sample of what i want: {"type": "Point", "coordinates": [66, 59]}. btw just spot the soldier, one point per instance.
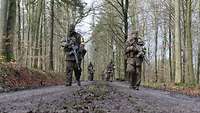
{"type": "Point", "coordinates": [91, 72]}
{"type": "Point", "coordinates": [135, 53]}
{"type": "Point", "coordinates": [74, 52]}
{"type": "Point", "coordinates": [110, 71]}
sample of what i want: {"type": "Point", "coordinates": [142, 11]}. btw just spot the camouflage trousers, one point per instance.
{"type": "Point", "coordinates": [135, 76]}
{"type": "Point", "coordinates": [91, 76]}
{"type": "Point", "coordinates": [71, 67]}
{"type": "Point", "coordinates": [109, 76]}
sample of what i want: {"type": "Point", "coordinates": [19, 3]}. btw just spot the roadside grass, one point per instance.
{"type": "Point", "coordinates": [191, 89]}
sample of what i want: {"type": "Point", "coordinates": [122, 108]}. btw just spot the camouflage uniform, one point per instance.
{"type": "Point", "coordinates": [73, 40]}
{"type": "Point", "coordinates": [135, 55]}
{"type": "Point", "coordinates": [91, 72]}
{"type": "Point", "coordinates": [110, 71]}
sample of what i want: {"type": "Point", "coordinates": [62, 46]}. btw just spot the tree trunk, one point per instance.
{"type": "Point", "coordinates": [125, 12]}
{"type": "Point", "coordinates": [198, 66]}
{"type": "Point", "coordinates": [19, 32]}
{"type": "Point", "coordinates": [51, 61]}
{"type": "Point", "coordinates": [170, 43]}
{"type": "Point", "coordinates": [177, 43]}
{"type": "Point", "coordinates": [184, 65]}
{"type": "Point", "coordinates": [3, 17]}
{"type": "Point", "coordinates": [37, 35]}
{"type": "Point", "coordinates": [156, 49]}
{"type": "Point", "coordinates": [9, 31]}
{"type": "Point", "coordinates": [189, 41]}
{"type": "Point", "coordinates": [164, 53]}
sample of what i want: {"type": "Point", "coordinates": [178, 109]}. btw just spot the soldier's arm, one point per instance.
{"type": "Point", "coordinates": [78, 38]}
{"type": "Point", "coordinates": [83, 52]}
{"type": "Point", "coordinates": [65, 43]}
{"type": "Point", "coordinates": [131, 48]}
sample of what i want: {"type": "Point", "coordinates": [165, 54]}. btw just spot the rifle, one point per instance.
{"type": "Point", "coordinates": [144, 50]}
{"type": "Point", "coordinates": [74, 48]}
{"type": "Point", "coordinates": [146, 60]}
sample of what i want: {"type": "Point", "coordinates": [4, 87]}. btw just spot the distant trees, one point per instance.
{"type": "Point", "coordinates": [31, 31]}
{"type": "Point", "coordinates": [170, 29]}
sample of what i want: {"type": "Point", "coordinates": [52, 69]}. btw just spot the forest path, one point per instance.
{"type": "Point", "coordinates": [97, 97]}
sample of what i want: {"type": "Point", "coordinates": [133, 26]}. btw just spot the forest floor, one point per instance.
{"type": "Point", "coordinates": [97, 97]}
{"type": "Point", "coordinates": [16, 77]}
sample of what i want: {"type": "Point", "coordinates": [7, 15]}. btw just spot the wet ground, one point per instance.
{"type": "Point", "coordinates": [97, 97]}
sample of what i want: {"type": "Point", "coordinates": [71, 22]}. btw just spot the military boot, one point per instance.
{"type": "Point", "coordinates": [68, 84]}
{"type": "Point", "coordinates": [134, 87]}
{"type": "Point", "coordinates": [78, 82]}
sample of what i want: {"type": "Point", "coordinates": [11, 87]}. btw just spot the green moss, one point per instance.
{"type": "Point", "coordinates": [8, 56]}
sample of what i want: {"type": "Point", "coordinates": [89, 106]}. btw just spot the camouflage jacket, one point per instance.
{"type": "Point", "coordinates": [91, 69]}
{"type": "Point", "coordinates": [134, 53]}
{"type": "Point", "coordinates": [134, 50]}
{"type": "Point", "coordinates": [73, 40]}
{"type": "Point", "coordinates": [110, 68]}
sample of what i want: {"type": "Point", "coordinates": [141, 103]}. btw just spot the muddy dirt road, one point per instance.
{"type": "Point", "coordinates": [97, 97]}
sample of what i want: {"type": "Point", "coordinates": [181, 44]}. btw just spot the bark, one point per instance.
{"type": "Point", "coordinates": [164, 53]}
{"type": "Point", "coordinates": [125, 12]}
{"type": "Point", "coordinates": [198, 66]}
{"type": "Point", "coordinates": [177, 43]}
{"type": "Point", "coordinates": [184, 65]}
{"type": "Point", "coordinates": [9, 31]}
{"type": "Point", "coordinates": [156, 50]}
{"type": "Point", "coordinates": [3, 17]}
{"type": "Point", "coordinates": [189, 41]}
{"type": "Point", "coordinates": [37, 35]}
{"type": "Point", "coordinates": [51, 61]}
{"type": "Point", "coordinates": [19, 31]}
{"type": "Point", "coordinates": [134, 15]}
{"type": "Point", "coordinates": [170, 42]}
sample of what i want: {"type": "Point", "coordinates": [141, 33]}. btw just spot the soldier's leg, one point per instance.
{"type": "Point", "coordinates": [133, 77]}
{"type": "Point", "coordinates": [89, 76]}
{"type": "Point", "coordinates": [110, 78]}
{"type": "Point", "coordinates": [107, 76]}
{"type": "Point", "coordinates": [92, 76]}
{"type": "Point", "coordinates": [69, 73]}
{"type": "Point", "coordinates": [138, 71]}
{"type": "Point", "coordinates": [78, 73]}
{"type": "Point", "coordinates": [130, 71]}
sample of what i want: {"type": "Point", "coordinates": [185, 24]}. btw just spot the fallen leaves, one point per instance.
{"type": "Point", "coordinates": [14, 77]}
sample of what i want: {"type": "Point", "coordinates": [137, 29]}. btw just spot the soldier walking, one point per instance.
{"type": "Point", "coordinates": [135, 53]}
{"type": "Point", "coordinates": [110, 71]}
{"type": "Point", "coordinates": [74, 53]}
{"type": "Point", "coordinates": [91, 72]}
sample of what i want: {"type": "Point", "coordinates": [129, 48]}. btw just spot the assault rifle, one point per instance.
{"type": "Point", "coordinates": [74, 52]}
{"type": "Point", "coordinates": [146, 60]}
{"type": "Point", "coordinates": [144, 51]}
{"type": "Point", "coordinates": [71, 44]}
